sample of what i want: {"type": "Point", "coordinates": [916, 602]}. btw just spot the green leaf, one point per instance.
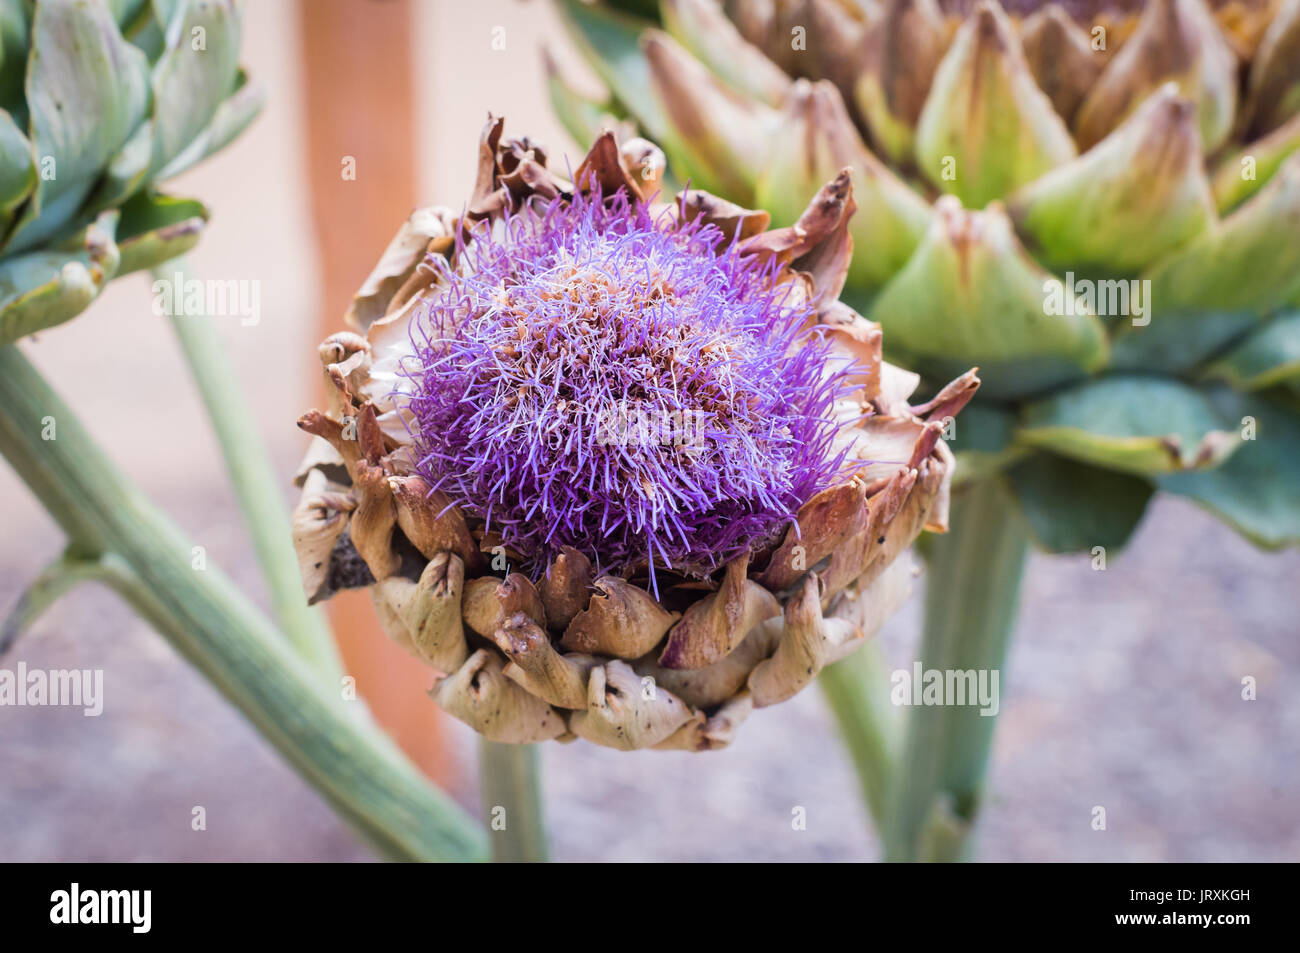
{"type": "Point", "coordinates": [1269, 356]}
{"type": "Point", "coordinates": [1177, 342]}
{"type": "Point", "coordinates": [1071, 507]}
{"type": "Point", "coordinates": [88, 90]}
{"type": "Point", "coordinates": [156, 228]}
{"type": "Point", "coordinates": [971, 295]}
{"type": "Point", "coordinates": [1142, 425]}
{"type": "Point", "coordinates": [17, 169]}
{"type": "Point", "coordinates": [1255, 491]}
{"type": "Point", "coordinates": [194, 77]}
{"type": "Point", "coordinates": [43, 288]}
{"type": "Point", "coordinates": [231, 118]}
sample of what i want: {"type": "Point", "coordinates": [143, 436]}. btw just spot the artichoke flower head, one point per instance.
{"type": "Point", "coordinates": [617, 467]}
{"type": "Point", "coordinates": [1095, 201]}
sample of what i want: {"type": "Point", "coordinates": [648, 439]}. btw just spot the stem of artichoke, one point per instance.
{"type": "Point", "coordinates": [256, 484]}
{"type": "Point", "coordinates": [857, 689]}
{"type": "Point", "coordinates": [510, 782]}
{"type": "Point", "coordinates": [333, 745]}
{"type": "Point", "coordinates": [971, 600]}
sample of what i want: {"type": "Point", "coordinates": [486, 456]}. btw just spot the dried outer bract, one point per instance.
{"type": "Point", "coordinates": [566, 587]}
{"type": "Point", "coordinates": [488, 602]}
{"type": "Point", "coordinates": [716, 624]}
{"type": "Point", "coordinates": [625, 712]}
{"type": "Point", "coordinates": [539, 667]}
{"type": "Point", "coordinates": [427, 613]}
{"type": "Point", "coordinates": [480, 694]}
{"type": "Point", "coordinates": [319, 520]}
{"type": "Point", "coordinates": [621, 620]}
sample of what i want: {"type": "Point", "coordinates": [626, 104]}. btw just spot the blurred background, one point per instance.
{"type": "Point", "coordinates": [1123, 689]}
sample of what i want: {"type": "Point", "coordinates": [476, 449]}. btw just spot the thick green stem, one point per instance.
{"type": "Point", "coordinates": [858, 691]}
{"type": "Point", "coordinates": [512, 802]}
{"type": "Point", "coordinates": [257, 486]}
{"type": "Point", "coordinates": [971, 600]}
{"type": "Point", "coordinates": [330, 742]}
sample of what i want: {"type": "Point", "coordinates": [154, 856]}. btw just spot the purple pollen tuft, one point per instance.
{"type": "Point", "coordinates": [591, 376]}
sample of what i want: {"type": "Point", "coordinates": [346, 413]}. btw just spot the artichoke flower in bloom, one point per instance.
{"type": "Point", "coordinates": [617, 468]}
{"type": "Point", "coordinates": [99, 101]}
{"type": "Point", "coordinates": [1097, 202]}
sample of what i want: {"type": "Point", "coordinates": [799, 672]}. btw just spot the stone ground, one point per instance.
{"type": "Point", "coordinates": [1123, 690]}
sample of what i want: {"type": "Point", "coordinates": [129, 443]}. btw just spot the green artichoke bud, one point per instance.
{"type": "Point", "coordinates": [100, 102]}
{"type": "Point", "coordinates": [1146, 156]}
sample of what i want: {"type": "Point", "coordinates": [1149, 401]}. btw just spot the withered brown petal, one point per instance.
{"type": "Point", "coordinates": [566, 587]}
{"type": "Point", "coordinates": [715, 625]}
{"type": "Point", "coordinates": [559, 679]}
{"type": "Point", "coordinates": [480, 695]}
{"type": "Point", "coordinates": [621, 620]}
{"type": "Point", "coordinates": [488, 602]}
{"type": "Point", "coordinates": [621, 713]}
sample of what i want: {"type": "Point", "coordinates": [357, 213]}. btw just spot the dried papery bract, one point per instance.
{"type": "Point", "coordinates": [567, 580]}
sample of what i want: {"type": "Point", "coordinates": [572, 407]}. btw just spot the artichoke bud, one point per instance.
{"type": "Point", "coordinates": [1175, 40]}
{"type": "Point", "coordinates": [703, 28]}
{"type": "Point", "coordinates": [717, 138]}
{"type": "Point", "coordinates": [1273, 91]}
{"type": "Point", "coordinates": [818, 141]}
{"type": "Point", "coordinates": [1061, 57]}
{"type": "Point", "coordinates": [1138, 194]}
{"type": "Point", "coordinates": [902, 53]}
{"type": "Point", "coordinates": [1249, 263]}
{"type": "Point", "coordinates": [986, 127]}
{"type": "Point", "coordinates": [972, 294]}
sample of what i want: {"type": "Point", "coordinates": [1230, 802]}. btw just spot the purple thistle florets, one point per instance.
{"type": "Point", "coordinates": [588, 375]}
